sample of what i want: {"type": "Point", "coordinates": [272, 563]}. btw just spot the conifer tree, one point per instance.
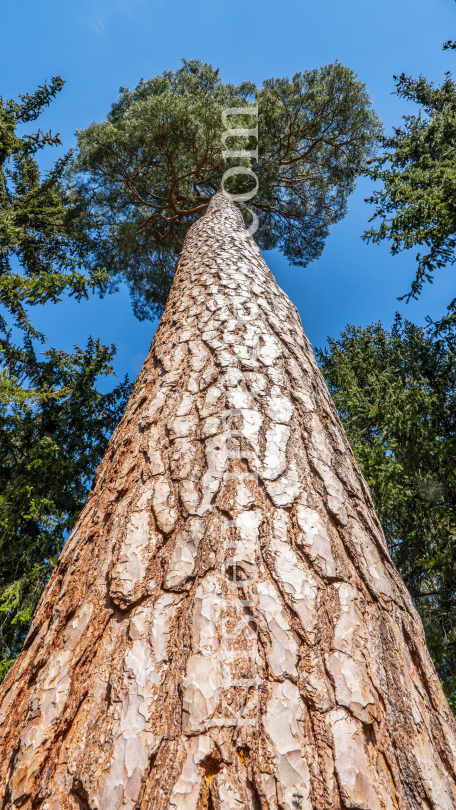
{"type": "Point", "coordinates": [54, 422]}
{"type": "Point", "coordinates": [225, 627]}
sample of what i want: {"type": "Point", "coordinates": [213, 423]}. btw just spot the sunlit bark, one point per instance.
{"type": "Point", "coordinates": [225, 627]}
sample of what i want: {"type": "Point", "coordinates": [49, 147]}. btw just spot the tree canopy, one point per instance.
{"type": "Point", "coordinates": [54, 422]}
{"type": "Point", "coordinates": [396, 394]}
{"type": "Point", "coordinates": [417, 203]}
{"type": "Point", "coordinates": [54, 428]}
{"type": "Point", "coordinates": [149, 170]}
{"type": "Point", "coordinates": [40, 218]}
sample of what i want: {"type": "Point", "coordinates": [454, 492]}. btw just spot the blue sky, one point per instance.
{"type": "Point", "coordinates": [97, 46]}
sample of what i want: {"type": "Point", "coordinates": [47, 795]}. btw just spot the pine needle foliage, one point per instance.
{"type": "Point", "coordinates": [149, 170]}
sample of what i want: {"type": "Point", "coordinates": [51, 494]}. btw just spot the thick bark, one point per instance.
{"type": "Point", "coordinates": [225, 628]}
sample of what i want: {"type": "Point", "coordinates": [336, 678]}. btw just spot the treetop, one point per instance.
{"type": "Point", "coordinates": [148, 170]}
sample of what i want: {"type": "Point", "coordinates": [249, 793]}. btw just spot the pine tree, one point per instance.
{"type": "Point", "coordinates": [225, 628]}
{"type": "Point", "coordinates": [289, 151]}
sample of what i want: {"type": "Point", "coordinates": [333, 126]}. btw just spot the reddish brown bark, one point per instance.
{"type": "Point", "coordinates": [225, 627]}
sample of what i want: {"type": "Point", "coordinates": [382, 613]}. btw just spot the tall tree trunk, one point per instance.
{"type": "Point", "coordinates": [225, 628]}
